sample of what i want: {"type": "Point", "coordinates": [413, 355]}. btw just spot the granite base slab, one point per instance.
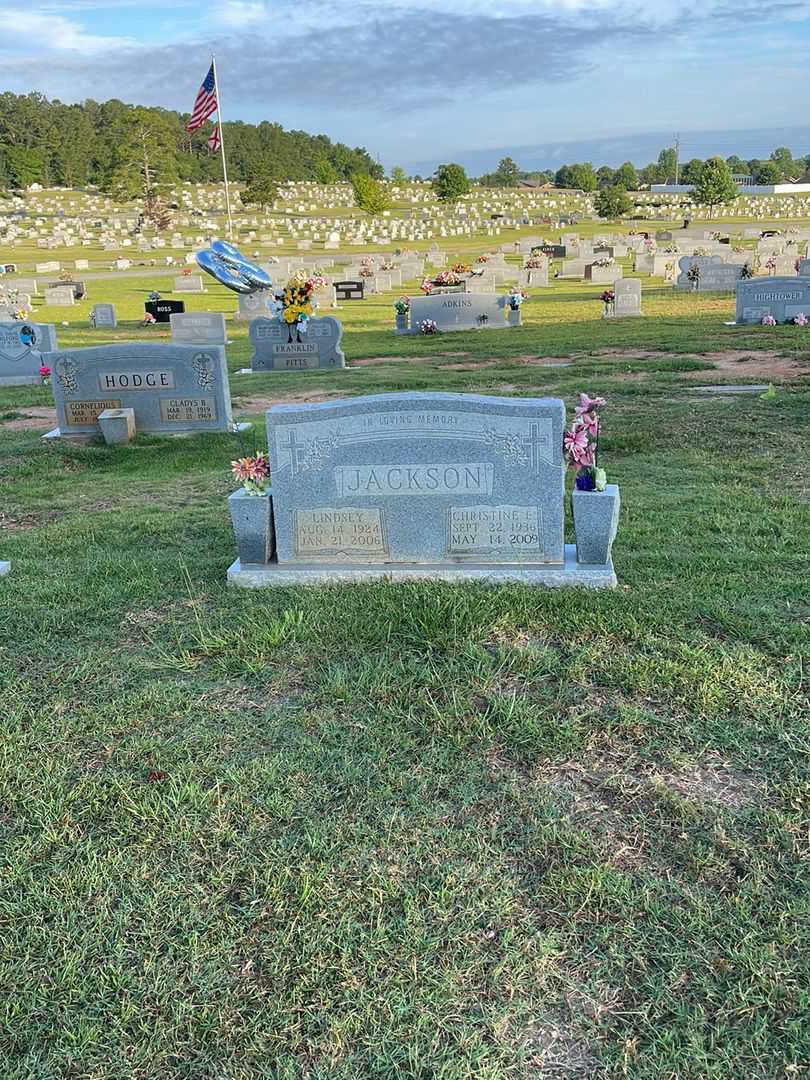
{"type": "Point", "coordinates": [571, 573]}
{"type": "Point", "coordinates": [20, 380]}
{"type": "Point", "coordinates": [55, 433]}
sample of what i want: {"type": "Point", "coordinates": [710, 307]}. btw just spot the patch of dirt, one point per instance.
{"type": "Point", "coordinates": [370, 361]}
{"type": "Point", "coordinates": [713, 781]}
{"type": "Point", "coordinates": [18, 524]}
{"type": "Point", "coordinates": [470, 365]}
{"type": "Point", "coordinates": [260, 404]}
{"type": "Point", "coordinates": [761, 363]}
{"type": "Point", "coordinates": [556, 1049]}
{"type": "Point", "coordinates": [766, 364]}
{"type": "Point", "coordinates": [546, 361]}
{"type": "Point", "coordinates": [31, 418]}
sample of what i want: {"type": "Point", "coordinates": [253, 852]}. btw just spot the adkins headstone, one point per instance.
{"type": "Point", "coordinates": [782, 297]}
{"type": "Point", "coordinates": [419, 478]}
{"type": "Point", "coordinates": [172, 388]}
{"type": "Point", "coordinates": [463, 311]}
{"type": "Point", "coordinates": [279, 347]}
{"type": "Point", "coordinates": [22, 346]}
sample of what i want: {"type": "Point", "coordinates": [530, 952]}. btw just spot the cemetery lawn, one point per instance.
{"type": "Point", "coordinates": [416, 831]}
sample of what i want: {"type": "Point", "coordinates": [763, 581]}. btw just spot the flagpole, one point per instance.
{"type": "Point", "coordinates": [222, 149]}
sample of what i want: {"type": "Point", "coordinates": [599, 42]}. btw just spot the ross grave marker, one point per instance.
{"type": "Point", "coordinates": [164, 309]}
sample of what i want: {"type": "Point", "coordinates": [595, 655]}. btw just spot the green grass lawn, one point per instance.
{"type": "Point", "coordinates": [424, 831]}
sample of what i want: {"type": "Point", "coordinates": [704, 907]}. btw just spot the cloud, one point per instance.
{"type": "Point", "coordinates": [54, 32]}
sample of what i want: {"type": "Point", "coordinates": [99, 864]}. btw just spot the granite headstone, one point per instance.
{"type": "Point", "coordinates": [172, 388]}
{"type": "Point", "coordinates": [22, 345]}
{"type": "Point", "coordinates": [279, 347]}
{"type": "Point", "coordinates": [782, 297]}
{"type": "Point", "coordinates": [419, 478]}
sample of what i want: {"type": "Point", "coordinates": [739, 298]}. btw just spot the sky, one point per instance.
{"type": "Point", "coordinates": [419, 82]}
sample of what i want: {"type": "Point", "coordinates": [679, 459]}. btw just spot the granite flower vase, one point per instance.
{"type": "Point", "coordinates": [252, 518]}
{"type": "Point", "coordinates": [401, 323]}
{"type": "Point", "coordinates": [596, 521]}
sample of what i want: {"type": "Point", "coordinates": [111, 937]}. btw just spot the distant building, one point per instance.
{"type": "Point", "coordinates": [746, 188]}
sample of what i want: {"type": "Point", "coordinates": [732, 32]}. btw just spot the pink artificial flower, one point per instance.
{"type": "Point", "coordinates": [44, 372]}
{"type": "Point", "coordinates": [576, 444]}
{"type": "Point", "coordinates": [586, 404]}
{"type": "Point", "coordinates": [589, 421]}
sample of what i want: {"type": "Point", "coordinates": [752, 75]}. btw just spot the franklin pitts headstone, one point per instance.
{"type": "Point", "coordinates": [279, 347]}
{"type": "Point", "coordinates": [171, 388]}
{"type": "Point", "coordinates": [22, 345]}
{"type": "Point", "coordinates": [419, 478]}
{"type": "Point", "coordinates": [782, 297]}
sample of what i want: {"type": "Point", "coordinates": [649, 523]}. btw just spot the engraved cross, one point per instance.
{"type": "Point", "coordinates": [296, 449]}
{"type": "Point", "coordinates": [534, 442]}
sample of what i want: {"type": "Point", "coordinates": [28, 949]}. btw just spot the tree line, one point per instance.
{"type": "Point", "coordinates": [103, 144]}
{"type": "Point", "coordinates": [779, 167]}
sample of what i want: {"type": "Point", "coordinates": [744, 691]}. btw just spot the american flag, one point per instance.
{"type": "Point", "coordinates": [215, 140]}
{"type": "Point", "coordinates": [206, 104]}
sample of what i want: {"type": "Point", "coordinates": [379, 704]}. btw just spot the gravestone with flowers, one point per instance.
{"type": "Point", "coordinates": [441, 486]}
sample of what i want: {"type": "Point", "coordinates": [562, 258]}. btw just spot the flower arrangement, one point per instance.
{"type": "Point", "coordinates": [746, 272]}
{"type": "Point", "coordinates": [798, 265]}
{"type": "Point", "coordinates": [608, 298]}
{"type": "Point", "coordinates": [253, 473]}
{"type": "Point", "coordinates": [21, 314]}
{"type": "Point", "coordinates": [693, 274]}
{"type": "Point", "coordinates": [428, 326]}
{"type": "Point", "coordinates": [801, 319]}
{"type": "Point", "coordinates": [534, 263]}
{"type": "Point", "coordinates": [402, 306]}
{"type": "Point", "coordinates": [426, 286]}
{"type": "Point", "coordinates": [460, 269]}
{"type": "Point", "coordinates": [186, 271]}
{"type": "Point", "coordinates": [448, 277]}
{"type": "Point", "coordinates": [516, 298]}
{"type": "Point", "coordinates": [604, 261]}
{"type": "Point", "coordinates": [770, 264]}
{"type": "Point", "coordinates": [45, 375]}
{"type": "Point", "coordinates": [149, 319]}
{"type": "Point", "coordinates": [366, 272]}
{"type": "Point", "coordinates": [581, 444]}
{"type": "Point", "coordinates": [483, 258]}
{"type": "Point", "coordinates": [297, 308]}
{"type": "Point", "coordinates": [154, 296]}
{"type": "Point", "coordinates": [768, 320]}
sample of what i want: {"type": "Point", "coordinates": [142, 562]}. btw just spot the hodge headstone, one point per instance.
{"type": "Point", "coordinates": [279, 347]}
{"type": "Point", "coordinates": [172, 388]}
